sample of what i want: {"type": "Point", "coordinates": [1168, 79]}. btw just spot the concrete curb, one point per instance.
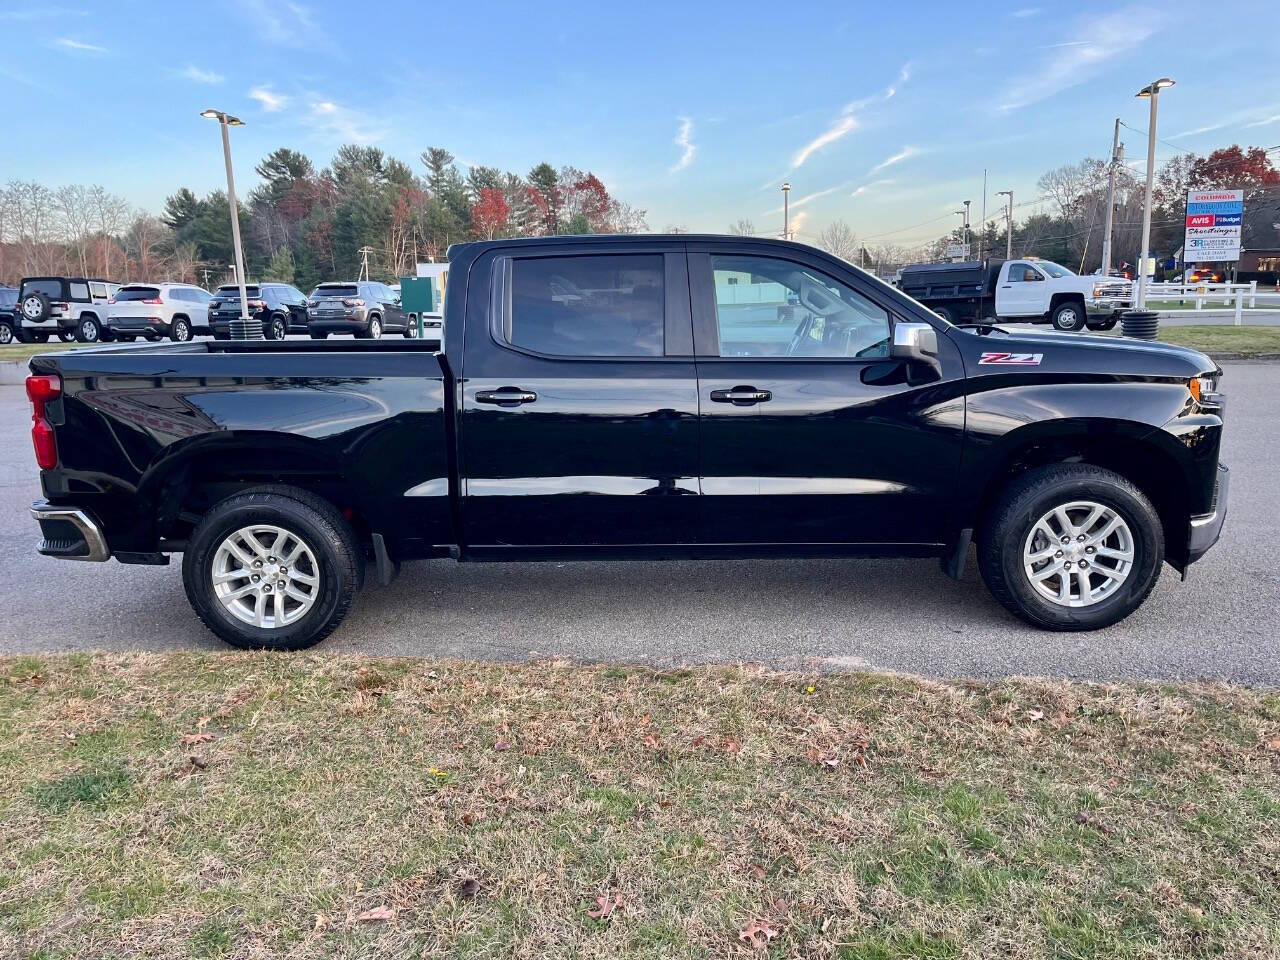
{"type": "Point", "coordinates": [13, 372]}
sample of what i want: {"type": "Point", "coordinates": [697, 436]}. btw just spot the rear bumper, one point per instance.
{"type": "Point", "coordinates": [1205, 530]}
{"type": "Point", "coordinates": [69, 534]}
{"type": "Point", "coordinates": [136, 324]}
{"type": "Point", "coordinates": [338, 325]}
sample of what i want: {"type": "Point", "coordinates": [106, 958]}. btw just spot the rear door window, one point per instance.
{"type": "Point", "coordinates": [78, 291]}
{"type": "Point", "coordinates": [587, 306]}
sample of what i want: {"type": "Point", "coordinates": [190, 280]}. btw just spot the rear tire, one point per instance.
{"type": "Point", "coordinates": [277, 328]}
{"type": "Point", "coordinates": [6, 333]}
{"type": "Point", "coordinates": [88, 330]}
{"type": "Point", "coordinates": [333, 568]}
{"type": "Point", "coordinates": [373, 331]}
{"type": "Point", "coordinates": [67, 336]}
{"type": "Point", "coordinates": [945, 313]}
{"type": "Point", "coordinates": [1009, 538]}
{"type": "Point", "coordinates": [1069, 317]}
{"type": "Point", "coordinates": [180, 330]}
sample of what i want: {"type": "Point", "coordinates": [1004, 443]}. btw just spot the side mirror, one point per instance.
{"type": "Point", "coordinates": [916, 342]}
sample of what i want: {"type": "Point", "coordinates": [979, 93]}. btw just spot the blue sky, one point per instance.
{"type": "Point", "coordinates": [884, 115]}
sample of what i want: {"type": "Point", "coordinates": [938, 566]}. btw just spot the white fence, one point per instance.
{"type": "Point", "coordinates": [1237, 295]}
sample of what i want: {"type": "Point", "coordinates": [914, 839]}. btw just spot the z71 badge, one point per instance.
{"type": "Point", "coordinates": [1013, 359]}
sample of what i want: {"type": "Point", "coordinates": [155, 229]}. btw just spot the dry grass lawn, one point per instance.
{"type": "Point", "coordinates": [223, 805]}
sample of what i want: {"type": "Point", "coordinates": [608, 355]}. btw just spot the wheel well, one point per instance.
{"type": "Point", "coordinates": [1143, 464]}
{"type": "Point", "coordinates": [1058, 299]}
{"type": "Point", "coordinates": [181, 316]}
{"type": "Point", "coordinates": [186, 493]}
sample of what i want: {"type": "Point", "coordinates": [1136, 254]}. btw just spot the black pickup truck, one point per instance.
{"type": "Point", "coordinates": [635, 397]}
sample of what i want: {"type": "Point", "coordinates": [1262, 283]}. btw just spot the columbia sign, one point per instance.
{"type": "Point", "coordinates": [1214, 218]}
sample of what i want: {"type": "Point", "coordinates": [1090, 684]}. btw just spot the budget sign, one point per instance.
{"type": "Point", "coordinates": [1213, 225]}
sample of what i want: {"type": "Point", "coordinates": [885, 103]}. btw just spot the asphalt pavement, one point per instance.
{"type": "Point", "coordinates": [902, 615]}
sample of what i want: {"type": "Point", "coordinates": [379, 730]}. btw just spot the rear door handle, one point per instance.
{"type": "Point", "coordinates": [506, 396]}
{"type": "Point", "coordinates": [741, 396]}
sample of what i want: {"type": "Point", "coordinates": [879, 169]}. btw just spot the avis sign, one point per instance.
{"type": "Point", "coordinates": [1214, 218]}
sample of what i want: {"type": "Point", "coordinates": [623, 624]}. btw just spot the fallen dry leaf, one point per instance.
{"type": "Point", "coordinates": [502, 745]}
{"type": "Point", "coordinates": [732, 747]}
{"type": "Point", "coordinates": [758, 933]}
{"type": "Point", "coordinates": [605, 906]}
{"type": "Point", "coordinates": [376, 915]}
{"type": "Point", "coordinates": [322, 922]}
{"type": "Point", "coordinates": [1089, 820]}
{"type": "Point", "coordinates": [1035, 715]}
{"type": "Point", "coordinates": [756, 871]}
{"type": "Point", "coordinates": [651, 740]}
{"type": "Point", "coordinates": [828, 760]}
{"type": "Point", "coordinates": [190, 739]}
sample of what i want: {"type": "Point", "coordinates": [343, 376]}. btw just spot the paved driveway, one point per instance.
{"type": "Point", "coordinates": [889, 614]}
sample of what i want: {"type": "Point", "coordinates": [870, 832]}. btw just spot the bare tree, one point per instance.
{"type": "Point", "coordinates": [185, 261]}
{"type": "Point", "coordinates": [838, 239]}
{"type": "Point", "coordinates": [35, 226]}
{"type": "Point", "coordinates": [110, 216]}
{"type": "Point", "coordinates": [77, 222]}
{"type": "Point", "coordinates": [743, 228]}
{"type": "Point", "coordinates": [147, 236]}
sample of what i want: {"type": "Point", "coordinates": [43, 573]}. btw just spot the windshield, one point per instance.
{"type": "Point", "coordinates": [334, 290]}
{"type": "Point", "coordinates": [1053, 270]}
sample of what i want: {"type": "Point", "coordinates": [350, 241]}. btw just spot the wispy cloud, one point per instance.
{"type": "Point", "coordinates": [192, 72]}
{"type": "Point", "coordinates": [847, 121]}
{"type": "Point", "coordinates": [684, 140]}
{"type": "Point", "coordinates": [39, 13]}
{"type": "Point", "coordinates": [1023, 12]}
{"type": "Point", "coordinates": [869, 187]}
{"type": "Point", "coordinates": [1101, 41]}
{"type": "Point", "coordinates": [271, 101]}
{"type": "Point", "coordinates": [1264, 122]}
{"type": "Point", "coordinates": [906, 153]}
{"type": "Point", "coordinates": [67, 43]}
{"type": "Point", "coordinates": [810, 197]}
{"type": "Point", "coordinates": [285, 22]}
{"type": "Point", "coordinates": [345, 123]}
{"type": "Point", "coordinates": [1198, 130]}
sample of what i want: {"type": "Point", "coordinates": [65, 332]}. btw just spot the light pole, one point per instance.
{"type": "Point", "coordinates": [1008, 224]}
{"type": "Point", "coordinates": [1151, 92]}
{"type": "Point", "coordinates": [226, 121]}
{"type": "Point", "coordinates": [966, 222]}
{"type": "Point", "coordinates": [786, 211]}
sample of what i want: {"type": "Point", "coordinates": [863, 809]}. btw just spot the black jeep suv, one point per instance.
{"type": "Point", "coordinates": [73, 308]}
{"type": "Point", "coordinates": [281, 308]}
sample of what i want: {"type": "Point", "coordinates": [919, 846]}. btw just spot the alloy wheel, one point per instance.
{"type": "Point", "coordinates": [265, 576]}
{"type": "Point", "coordinates": [1078, 554]}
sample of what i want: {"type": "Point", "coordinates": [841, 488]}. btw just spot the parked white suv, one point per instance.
{"type": "Point", "coordinates": [153, 310]}
{"type": "Point", "coordinates": [71, 308]}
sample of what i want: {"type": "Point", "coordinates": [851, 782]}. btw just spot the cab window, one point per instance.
{"type": "Point", "coordinates": [588, 306]}
{"type": "Point", "coordinates": [769, 307]}
{"type": "Point", "coordinates": [1021, 272]}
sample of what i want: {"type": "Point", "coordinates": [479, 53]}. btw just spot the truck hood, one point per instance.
{"type": "Point", "coordinates": [1120, 355]}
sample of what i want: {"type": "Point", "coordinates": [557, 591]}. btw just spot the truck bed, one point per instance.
{"type": "Point", "coordinates": [138, 426]}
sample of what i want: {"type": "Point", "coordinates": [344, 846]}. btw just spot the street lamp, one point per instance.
{"type": "Point", "coordinates": [1008, 224]}
{"type": "Point", "coordinates": [245, 331]}
{"type": "Point", "coordinates": [1151, 92]}
{"type": "Point", "coordinates": [786, 211]}
{"type": "Point", "coordinates": [966, 222]}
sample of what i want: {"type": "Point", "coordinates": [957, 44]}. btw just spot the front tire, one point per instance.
{"type": "Point", "coordinates": [273, 568]}
{"type": "Point", "coordinates": [277, 328]}
{"type": "Point", "coordinates": [1069, 317]}
{"type": "Point", "coordinates": [1071, 547]}
{"type": "Point", "coordinates": [6, 333]}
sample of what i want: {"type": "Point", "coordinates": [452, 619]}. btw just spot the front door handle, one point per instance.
{"type": "Point", "coordinates": [741, 396]}
{"type": "Point", "coordinates": [506, 396]}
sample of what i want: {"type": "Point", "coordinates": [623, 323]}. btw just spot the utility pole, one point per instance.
{"type": "Point", "coordinates": [966, 223]}
{"type": "Point", "coordinates": [206, 278]}
{"type": "Point", "coordinates": [1117, 155]}
{"type": "Point", "coordinates": [364, 262]}
{"type": "Point", "coordinates": [786, 211]}
{"type": "Point", "coordinates": [1008, 223]}
{"type": "Point", "coordinates": [982, 224]}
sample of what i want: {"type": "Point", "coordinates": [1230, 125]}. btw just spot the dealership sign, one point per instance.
{"type": "Point", "coordinates": [1213, 225]}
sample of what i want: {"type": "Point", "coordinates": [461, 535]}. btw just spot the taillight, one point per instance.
{"type": "Point", "coordinates": [313, 303]}
{"type": "Point", "coordinates": [214, 304]}
{"type": "Point", "coordinates": [353, 302]}
{"type": "Point", "coordinates": [156, 300]}
{"type": "Point", "coordinates": [60, 306]}
{"type": "Point", "coordinates": [111, 300]}
{"type": "Point", "coordinates": [40, 390]}
{"type": "Point", "coordinates": [257, 304]}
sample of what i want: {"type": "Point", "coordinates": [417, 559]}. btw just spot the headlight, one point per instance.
{"type": "Point", "coordinates": [1098, 290]}
{"type": "Point", "coordinates": [1203, 386]}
